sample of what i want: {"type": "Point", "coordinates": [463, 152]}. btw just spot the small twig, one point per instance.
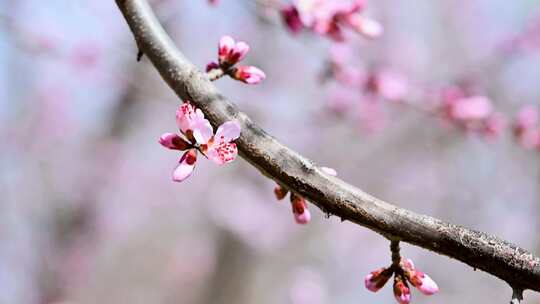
{"type": "Point", "coordinates": [140, 54]}
{"type": "Point", "coordinates": [215, 74]}
{"type": "Point", "coordinates": [517, 295]}
{"type": "Point", "coordinates": [396, 257]}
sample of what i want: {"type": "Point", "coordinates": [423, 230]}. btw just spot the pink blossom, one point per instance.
{"type": "Point", "coordinates": [220, 148]}
{"type": "Point", "coordinates": [187, 117]}
{"type": "Point", "coordinates": [402, 293]}
{"type": "Point", "coordinates": [377, 279]}
{"type": "Point", "coordinates": [527, 128]}
{"type": "Point", "coordinates": [328, 17]}
{"type": "Point", "coordinates": [197, 135]}
{"type": "Point", "coordinates": [248, 74]}
{"type": "Point", "coordinates": [230, 52]}
{"type": "Point", "coordinates": [213, 2]}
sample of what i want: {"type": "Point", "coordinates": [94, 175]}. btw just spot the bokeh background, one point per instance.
{"type": "Point", "coordinates": [88, 211]}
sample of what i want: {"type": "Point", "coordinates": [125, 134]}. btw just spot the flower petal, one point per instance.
{"type": "Point", "coordinates": [202, 131]}
{"type": "Point", "coordinates": [185, 166]}
{"type": "Point", "coordinates": [227, 132]}
{"type": "Point", "coordinates": [173, 141]}
{"type": "Point", "coordinates": [222, 153]}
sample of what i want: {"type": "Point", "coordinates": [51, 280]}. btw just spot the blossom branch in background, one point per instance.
{"type": "Point", "coordinates": [510, 263]}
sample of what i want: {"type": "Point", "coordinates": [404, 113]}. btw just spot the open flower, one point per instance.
{"type": "Point", "coordinates": [196, 134]}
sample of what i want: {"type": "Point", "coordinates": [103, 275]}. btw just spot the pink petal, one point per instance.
{"type": "Point", "coordinates": [225, 46]}
{"type": "Point", "coordinates": [227, 132]}
{"type": "Point", "coordinates": [185, 166]}
{"type": "Point", "coordinates": [173, 141]}
{"type": "Point", "coordinates": [240, 51]}
{"type": "Point", "coordinates": [222, 153]}
{"type": "Point", "coordinates": [365, 26]}
{"type": "Point", "coordinates": [202, 131]}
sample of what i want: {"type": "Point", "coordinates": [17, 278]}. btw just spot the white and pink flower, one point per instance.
{"type": "Point", "coordinates": [196, 134]}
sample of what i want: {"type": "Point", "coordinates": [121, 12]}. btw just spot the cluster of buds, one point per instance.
{"type": "Point", "coordinates": [299, 206]}
{"type": "Point", "coordinates": [328, 18]}
{"type": "Point", "coordinates": [527, 128]}
{"type": "Point", "coordinates": [230, 52]}
{"type": "Point", "coordinates": [472, 113]}
{"type": "Point", "coordinates": [197, 135]}
{"type": "Point", "coordinates": [404, 273]}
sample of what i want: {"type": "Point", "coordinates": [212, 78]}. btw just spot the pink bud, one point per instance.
{"type": "Point", "coordinates": [402, 293]}
{"type": "Point", "coordinates": [173, 141]}
{"type": "Point", "coordinates": [301, 213]}
{"type": "Point", "coordinates": [377, 279]}
{"type": "Point", "coordinates": [231, 52]}
{"type": "Point", "coordinates": [280, 192]}
{"type": "Point", "coordinates": [225, 46]}
{"type": "Point", "coordinates": [291, 17]}
{"type": "Point", "coordinates": [427, 286]}
{"type": "Point", "coordinates": [329, 171]}
{"type": "Point", "coordinates": [212, 66]}
{"type": "Point", "coordinates": [248, 74]}
{"type": "Point", "coordinates": [417, 278]}
{"type": "Point", "coordinates": [303, 218]}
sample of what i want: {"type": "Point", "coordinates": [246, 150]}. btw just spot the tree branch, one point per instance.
{"type": "Point", "coordinates": [332, 195]}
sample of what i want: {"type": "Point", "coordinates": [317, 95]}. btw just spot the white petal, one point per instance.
{"type": "Point", "coordinates": [227, 132]}
{"type": "Point", "coordinates": [202, 131]}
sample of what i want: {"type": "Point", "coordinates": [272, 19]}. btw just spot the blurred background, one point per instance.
{"type": "Point", "coordinates": [88, 211]}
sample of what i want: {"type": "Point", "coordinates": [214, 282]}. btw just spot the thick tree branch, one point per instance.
{"type": "Point", "coordinates": [477, 249]}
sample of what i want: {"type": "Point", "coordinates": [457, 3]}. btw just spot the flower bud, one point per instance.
{"type": "Point", "coordinates": [248, 74]}
{"type": "Point", "coordinates": [377, 279]}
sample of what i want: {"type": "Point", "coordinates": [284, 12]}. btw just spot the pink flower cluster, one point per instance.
{"type": "Point", "coordinates": [527, 127]}
{"type": "Point", "coordinates": [328, 18]}
{"type": "Point", "coordinates": [472, 113]}
{"type": "Point", "coordinates": [300, 211]}
{"type": "Point", "coordinates": [197, 134]}
{"type": "Point", "coordinates": [230, 52]}
{"type": "Point", "coordinates": [403, 273]}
